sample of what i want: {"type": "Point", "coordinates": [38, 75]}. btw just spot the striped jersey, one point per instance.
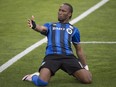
{"type": "Point", "coordinates": [60, 36]}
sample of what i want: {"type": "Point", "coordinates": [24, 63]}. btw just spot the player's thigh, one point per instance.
{"type": "Point", "coordinates": [83, 75]}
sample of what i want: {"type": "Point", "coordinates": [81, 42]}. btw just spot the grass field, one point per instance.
{"type": "Point", "coordinates": [15, 36]}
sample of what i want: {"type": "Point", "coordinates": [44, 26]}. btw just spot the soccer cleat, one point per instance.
{"type": "Point", "coordinates": [29, 77]}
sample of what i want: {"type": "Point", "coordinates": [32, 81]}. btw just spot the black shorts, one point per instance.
{"type": "Point", "coordinates": [54, 62]}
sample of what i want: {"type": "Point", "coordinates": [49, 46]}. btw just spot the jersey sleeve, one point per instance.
{"type": "Point", "coordinates": [47, 25]}
{"type": "Point", "coordinates": [76, 36]}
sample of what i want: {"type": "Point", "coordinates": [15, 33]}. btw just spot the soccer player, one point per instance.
{"type": "Point", "coordinates": [59, 54]}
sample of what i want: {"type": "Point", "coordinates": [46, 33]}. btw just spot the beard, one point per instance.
{"type": "Point", "coordinates": [61, 19]}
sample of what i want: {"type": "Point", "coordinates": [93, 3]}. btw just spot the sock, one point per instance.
{"type": "Point", "coordinates": [38, 82]}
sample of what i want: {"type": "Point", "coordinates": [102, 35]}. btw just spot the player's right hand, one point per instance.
{"type": "Point", "coordinates": [30, 21]}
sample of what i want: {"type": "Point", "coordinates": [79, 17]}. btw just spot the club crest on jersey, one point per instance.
{"type": "Point", "coordinates": [69, 30]}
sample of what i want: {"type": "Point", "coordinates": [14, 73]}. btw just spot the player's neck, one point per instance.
{"type": "Point", "coordinates": [64, 21]}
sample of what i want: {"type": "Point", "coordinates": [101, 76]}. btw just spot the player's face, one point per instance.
{"type": "Point", "coordinates": [64, 13]}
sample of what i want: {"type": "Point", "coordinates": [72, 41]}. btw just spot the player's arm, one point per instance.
{"type": "Point", "coordinates": [36, 27]}
{"type": "Point", "coordinates": [80, 54]}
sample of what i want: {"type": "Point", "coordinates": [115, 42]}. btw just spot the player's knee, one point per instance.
{"type": "Point", "coordinates": [87, 78]}
{"type": "Point", "coordinates": [38, 82]}
{"type": "Point", "coordinates": [87, 81]}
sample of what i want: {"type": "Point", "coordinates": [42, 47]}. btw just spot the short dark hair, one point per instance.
{"type": "Point", "coordinates": [71, 8]}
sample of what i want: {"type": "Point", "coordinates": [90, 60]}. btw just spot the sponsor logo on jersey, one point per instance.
{"type": "Point", "coordinates": [57, 28]}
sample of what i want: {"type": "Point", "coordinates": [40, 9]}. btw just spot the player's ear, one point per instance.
{"type": "Point", "coordinates": [69, 14]}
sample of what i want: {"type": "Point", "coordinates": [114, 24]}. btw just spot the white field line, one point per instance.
{"type": "Point", "coordinates": [29, 49]}
{"type": "Point", "coordinates": [20, 55]}
{"type": "Point", "coordinates": [98, 42]}
{"type": "Point", "coordinates": [89, 11]}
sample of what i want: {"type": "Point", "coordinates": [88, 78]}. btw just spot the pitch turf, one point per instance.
{"type": "Point", "coordinates": [15, 37]}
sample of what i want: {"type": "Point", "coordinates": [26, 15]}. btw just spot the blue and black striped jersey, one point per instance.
{"type": "Point", "coordinates": [60, 36]}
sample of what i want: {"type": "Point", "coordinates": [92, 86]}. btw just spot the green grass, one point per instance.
{"type": "Point", "coordinates": [15, 37]}
{"type": "Point", "coordinates": [100, 25]}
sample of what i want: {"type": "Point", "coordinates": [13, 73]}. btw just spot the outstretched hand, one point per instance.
{"type": "Point", "coordinates": [30, 24]}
